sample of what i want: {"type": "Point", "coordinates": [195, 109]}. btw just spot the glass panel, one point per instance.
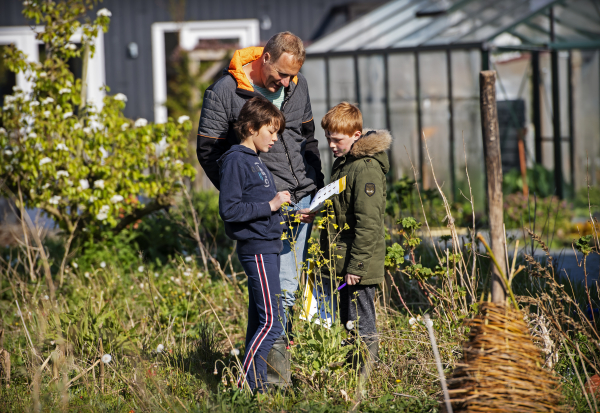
{"type": "Point", "coordinates": [341, 75]}
{"type": "Point", "coordinates": [314, 71]}
{"type": "Point", "coordinates": [435, 119]}
{"type": "Point", "coordinates": [586, 100]}
{"type": "Point", "coordinates": [468, 142]}
{"type": "Point", "coordinates": [403, 114]}
{"type": "Point", "coordinates": [372, 91]}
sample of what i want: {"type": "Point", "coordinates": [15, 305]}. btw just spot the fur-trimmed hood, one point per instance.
{"type": "Point", "coordinates": [371, 142]}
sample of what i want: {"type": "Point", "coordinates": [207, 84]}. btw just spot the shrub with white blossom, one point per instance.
{"type": "Point", "coordinates": [83, 166]}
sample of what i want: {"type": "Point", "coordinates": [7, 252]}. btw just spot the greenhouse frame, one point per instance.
{"type": "Point", "coordinates": [413, 67]}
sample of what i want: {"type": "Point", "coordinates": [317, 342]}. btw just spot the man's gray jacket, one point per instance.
{"type": "Point", "coordinates": [294, 159]}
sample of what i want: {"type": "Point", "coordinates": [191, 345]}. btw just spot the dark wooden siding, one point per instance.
{"type": "Point", "coordinates": [132, 19]}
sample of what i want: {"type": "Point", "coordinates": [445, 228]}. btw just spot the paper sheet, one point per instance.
{"type": "Point", "coordinates": [318, 305]}
{"type": "Point", "coordinates": [325, 193]}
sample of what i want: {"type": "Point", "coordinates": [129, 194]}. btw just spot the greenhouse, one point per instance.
{"type": "Point", "coordinates": [413, 67]}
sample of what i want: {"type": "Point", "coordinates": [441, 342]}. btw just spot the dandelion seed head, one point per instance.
{"type": "Point", "coordinates": [188, 259]}
{"type": "Point", "coordinates": [350, 325]}
{"type": "Point", "coordinates": [234, 352]}
{"type": "Point", "coordinates": [160, 348]}
{"type": "Point", "coordinates": [103, 264]}
{"type": "Point", "coordinates": [106, 358]}
{"type": "Point", "coordinates": [141, 268]}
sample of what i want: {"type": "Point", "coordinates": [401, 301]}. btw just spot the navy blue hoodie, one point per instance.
{"type": "Point", "coordinates": [247, 186]}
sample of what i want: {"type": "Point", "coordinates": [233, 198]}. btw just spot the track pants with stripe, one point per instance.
{"type": "Point", "coordinates": [265, 315]}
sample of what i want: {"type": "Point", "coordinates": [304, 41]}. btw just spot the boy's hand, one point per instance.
{"type": "Point", "coordinates": [281, 198]}
{"type": "Point", "coordinates": [305, 216]}
{"type": "Point", "coordinates": [352, 279]}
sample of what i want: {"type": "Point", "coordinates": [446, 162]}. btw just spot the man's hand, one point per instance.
{"type": "Point", "coordinates": [352, 279]}
{"type": "Point", "coordinates": [281, 198]}
{"type": "Point", "coordinates": [305, 216]}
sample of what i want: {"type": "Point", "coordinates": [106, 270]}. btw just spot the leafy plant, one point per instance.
{"type": "Point", "coordinates": [84, 166]}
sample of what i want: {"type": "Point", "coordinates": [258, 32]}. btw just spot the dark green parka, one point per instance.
{"type": "Point", "coordinates": [362, 206]}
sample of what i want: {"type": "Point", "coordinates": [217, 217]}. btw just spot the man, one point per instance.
{"type": "Point", "coordinates": [294, 160]}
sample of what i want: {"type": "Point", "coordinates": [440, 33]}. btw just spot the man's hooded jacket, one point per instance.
{"type": "Point", "coordinates": [358, 242]}
{"type": "Point", "coordinates": [294, 158]}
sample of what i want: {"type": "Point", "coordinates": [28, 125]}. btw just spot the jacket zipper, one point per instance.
{"type": "Point", "coordinates": [287, 154]}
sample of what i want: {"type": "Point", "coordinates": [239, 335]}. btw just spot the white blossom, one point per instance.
{"type": "Point", "coordinates": [160, 147]}
{"type": "Point", "coordinates": [99, 184]}
{"type": "Point", "coordinates": [46, 113]}
{"type": "Point", "coordinates": [32, 135]}
{"type": "Point", "coordinates": [183, 118]}
{"type": "Point", "coordinates": [68, 83]}
{"type": "Point", "coordinates": [141, 268]}
{"type": "Point", "coordinates": [142, 286]}
{"type": "Point", "coordinates": [178, 163]}
{"type": "Point", "coordinates": [140, 123]}
{"type": "Point", "coordinates": [92, 199]}
{"type": "Point", "coordinates": [156, 275]}
{"type": "Point", "coordinates": [39, 147]}
{"type": "Point", "coordinates": [104, 152]}
{"type": "Point", "coordinates": [199, 275]}
{"type": "Point", "coordinates": [121, 97]}
{"type": "Point", "coordinates": [84, 184]}
{"type": "Point", "coordinates": [67, 115]}
{"type": "Point", "coordinates": [47, 100]}
{"type": "Point", "coordinates": [2, 131]}
{"type": "Point", "coordinates": [45, 160]}
{"type": "Point", "coordinates": [54, 200]}
{"type": "Point", "coordinates": [46, 186]}
{"type": "Point", "coordinates": [87, 130]}
{"type": "Point", "coordinates": [106, 358]}
{"type": "Point", "coordinates": [34, 103]}
{"type": "Point", "coordinates": [64, 90]}
{"type": "Point", "coordinates": [43, 74]}
{"type": "Point", "coordinates": [104, 12]}
{"type": "Point", "coordinates": [46, 297]}
{"type": "Point", "coordinates": [61, 173]}
{"type": "Point", "coordinates": [188, 259]}
{"type": "Point", "coordinates": [76, 126]}
{"type": "Point", "coordinates": [8, 152]}
{"type": "Point", "coordinates": [72, 46]}
{"type": "Point", "coordinates": [61, 147]}
{"type": "Point", "coordinates": [160, 348]}
{"type": "Point", "coordinates": [116, 198]}
{"type": "Point", "coordinates": [69, 182]}
{"type": "Point", "coordinates": [103, 214]}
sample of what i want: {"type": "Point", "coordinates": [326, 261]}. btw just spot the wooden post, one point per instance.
{"type": "Point", "coordinates": [493, 170]}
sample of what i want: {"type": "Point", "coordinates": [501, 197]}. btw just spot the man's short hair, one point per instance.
{"type": "Point", "coordinates": [344, 118]}
{"type": "Point", "coordinates": [285, 42]}
{"type": "Point", "coordinates": [256, 113]}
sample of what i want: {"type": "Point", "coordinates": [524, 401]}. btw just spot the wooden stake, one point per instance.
{"type": "Point", "coordinates": [493, 169]}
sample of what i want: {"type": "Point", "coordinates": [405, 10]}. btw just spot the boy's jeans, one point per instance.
{"type": "Point", "coordinates": [291, 264]}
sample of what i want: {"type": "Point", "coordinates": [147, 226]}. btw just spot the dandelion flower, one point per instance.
{"type": "Point", "coordinates": [188, 259]}
{"type": "Point", "coordinates": [141, 268]}
{"type": "Point", "coordinates": [120, 97]}
{"type": "Point", "coordinates": [350, 325]}
{"type": "Point", "coordinates": [160, 348]}
{"type": "Point", "coordinates": [116, 199]}
{"type": "Point", "coordinates": [106, 358]}
{"type": "Point", "coordinates": [54, 200]}
{"type": "Point", "coordinates": [234, 352]}
{"type": "Point", "coordinates": [104, 12]}
{"type": "Point", "coordinates": [103, 264]}
{"type": "Point", "coordinates": [99, 184]}
{"type": "Point", "coordinates": [140, 123]}
{"type": "Point", "coordinates": [84, 184]}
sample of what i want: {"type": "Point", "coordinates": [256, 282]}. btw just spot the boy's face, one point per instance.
{"type": "Point", "coordinates": [264, 139]}
{"type": "Point", "coordinates": [339, 143]}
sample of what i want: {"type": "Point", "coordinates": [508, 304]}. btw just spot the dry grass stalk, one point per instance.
{"type": "Point", "coordinates": [4, 361]}
{"type": "Point", "coordinates": [502, 368]}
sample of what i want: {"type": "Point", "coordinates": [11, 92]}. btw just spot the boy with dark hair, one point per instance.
{"type": "Point", "coordinates": [361, 157]}
{"type": "Point", "coordinates": [249, 204]}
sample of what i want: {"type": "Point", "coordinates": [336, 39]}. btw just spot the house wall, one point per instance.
{"type": "Point", "coordinates": [132, 19]}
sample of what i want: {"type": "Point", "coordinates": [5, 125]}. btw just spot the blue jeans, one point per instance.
{"type": "Point", "coordinates": [292, 261]}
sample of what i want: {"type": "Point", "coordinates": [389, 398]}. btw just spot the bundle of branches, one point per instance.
{"type": "Point", "coordinates": [502, 368]}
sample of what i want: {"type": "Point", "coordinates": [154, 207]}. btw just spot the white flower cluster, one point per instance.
{"type": "Point", "coordinates": [116, 199]}
{"type": "Point", "coordinates": [120, 97]}
{"type": "Point", "coordinates": [103, 214]}
{"type": "Point", "coordinates": [183, 118]}
{"type": "Point", "coordinates": [104, 12]}
{"type": "Point", "coordinates": [140, 123]}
